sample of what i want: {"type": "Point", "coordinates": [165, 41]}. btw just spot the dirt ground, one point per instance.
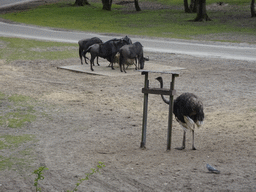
{"type": "Point", "coordinates": [91, 118]}
{"type": "Point", "coordinates": [94, 118]}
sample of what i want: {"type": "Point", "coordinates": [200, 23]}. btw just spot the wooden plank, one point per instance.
{"type": "Point", "coordinates": [158, 91]}
{"type": "Point", "coordinates": [162, 72]}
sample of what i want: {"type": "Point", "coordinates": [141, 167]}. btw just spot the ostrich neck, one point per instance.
{"type": "Point", "coordinates": [165, 100]}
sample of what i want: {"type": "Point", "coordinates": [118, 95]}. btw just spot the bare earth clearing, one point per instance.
{"type": "Point", "coordinates": [98, 118]}
{"type": "Point", "coordinates": [89, 118]}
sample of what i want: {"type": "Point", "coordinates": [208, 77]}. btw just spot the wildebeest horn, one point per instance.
{"type": "Point", "coordinates": [146, 59]}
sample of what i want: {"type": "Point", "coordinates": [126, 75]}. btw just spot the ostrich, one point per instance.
{"type": "Point", "coordinates": [188, 111]}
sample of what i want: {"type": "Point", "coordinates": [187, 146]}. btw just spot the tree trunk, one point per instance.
{"type": "Point", "coordinates": [201, 11]}
{"type": "Point", "coordinates": [253, 14]}
{"type": "Point", "coordinates": [186, 8]}
{"type": "Point", "coordinates": [137, 7]}
{"type": "Point", "coordinates": [81, 2]}
{"type": "Point", "coordinates": [193, 6]}
{"type": "Point", "coordinates": [107, 5]}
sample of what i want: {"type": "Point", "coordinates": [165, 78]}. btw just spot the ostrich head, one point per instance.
{"type": "Point", "coordinates": [160, 79]}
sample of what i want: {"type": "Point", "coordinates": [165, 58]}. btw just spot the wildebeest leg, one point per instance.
{"type": "Point", "coordinates": [120, 63]}
{"type": "Point", "coordinates": [98, 61]}
{"type": "Point", "coordinates": [124, 67]}
{"type": "Point", "coordinates": [112, 61]}
{"type": "Point", "coordinates": [83, 54]}
{"type": "Point", "coordinates": [193, 137]}
{"type": "Point", "coordinates": [92, 62]}
{"type": "Point", "coordinates": [85, 59]}
{"type": "Point", "coordinates": [136, 63]}
{"type": "Point", "coordinates": [80, 55]}
{"type": "Point", "coordinates": [183, 142]}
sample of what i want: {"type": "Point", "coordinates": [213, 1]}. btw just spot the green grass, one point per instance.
{"type": "Point", "coordinates": [170, 23]}
{"type": "Point", "coordinates": [17, 110]}
{"type": "Point", "coordinates": [5, 163]}
{"type": "Point", "coordinates": [179, 2]}
{"type": "Point", "coordinates": [23, 49]}
{"type": "Point", "coordinates": [14, 141]}
{"type": "Point", "coordinates": [17, 151]}
{"type": "Point", "coordinates": [11, 142]}
{"type": "Point", "coordinates": [18, 119]}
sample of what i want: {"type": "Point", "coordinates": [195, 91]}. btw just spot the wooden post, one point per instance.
{"type": "Point", "coordinates": [145, 112]}
{"type": "Point", "coordinates": [159, 91]}
{"type": "Point", "coordinates": [169, 134]}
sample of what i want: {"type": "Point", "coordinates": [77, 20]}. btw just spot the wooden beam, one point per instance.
{"type": "Point", "coordinates": [158, 91]}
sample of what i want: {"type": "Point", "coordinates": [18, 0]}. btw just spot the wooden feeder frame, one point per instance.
{"type": "Point", "coordinates": [159, 91]}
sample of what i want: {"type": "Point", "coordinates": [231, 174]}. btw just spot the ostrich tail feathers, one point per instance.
{"type": "Point", "coordinates": [189, 122]}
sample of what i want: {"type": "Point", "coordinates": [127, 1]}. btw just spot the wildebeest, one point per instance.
{"type": "Point", "coordinates": [84, 44]}
{"type": "Point", "coordinates": [128, 61]}
{"type": "Point", "coordinates": [107, 50]}
{"type": "Point", "coordinates": [133, 51]}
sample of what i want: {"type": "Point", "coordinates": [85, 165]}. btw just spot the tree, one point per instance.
{"type": "Point", "coordinates": [201, 11]}
{"type": "Point", "coordinates": [81, 2]}
{"type": "Point", "coordinates": [253, 14]}
{"type": "Point", "coordinates": [186, 8]}
{"type": "Point", "coordinates": [107, 4]}
{"type": "Point", "coordinates": [137, 7]}
{"type": "Point", "coordinates": [192, 7]}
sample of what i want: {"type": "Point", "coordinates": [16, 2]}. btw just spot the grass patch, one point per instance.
{"type": "Point", "coordinates": [17, 110]}
{"type": "Point", "coordinates": [23, 49]}
{"type": "Point", "coordinates": [5, 163]}
{"type": "Point", "coordinates": [14, 141]}
{"type": "Point", "coordinates": [19, 119]}
{"type": "Point", "coordinates": [18, 98]}
{"type": "Point", "coordinates": [179, 2]}
{"type": "Point", "coordinates": [170, 23]}
{"type": "Point", "coordinates": [3, 145]}
{"type": "Point", "coordinates": [11, 142]}
{"type": "Point", "coordinates": [2, 96]}
{"type": "Point", "coordinates": [13, 163]}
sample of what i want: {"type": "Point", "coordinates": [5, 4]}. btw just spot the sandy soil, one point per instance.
{"type": "Point", "coordinates": [90, 118]}
{"type": "Point", "coordinates": [94, 118]}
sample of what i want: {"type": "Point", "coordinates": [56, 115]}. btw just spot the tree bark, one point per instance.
{"type": "Point", "coordinates": [81, 2]}
{"type": "Point", "coordinates": [186, 8]}
{"type": "Point", "coordinates": [137, 7]}
{"type": "Point", "coordinates": [253, 14]}
{"type": "Point", "coordinates": [107, 5]}
{"type": "Point", "coordinates": [201, 11]}
{"type": "Point", "coordinates": [193, 6]}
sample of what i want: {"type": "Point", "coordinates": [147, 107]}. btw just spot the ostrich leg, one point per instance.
{"type": "Point", "coordinates": [193, 137]}
{"type": "Point", "coordinates": [183, 142]}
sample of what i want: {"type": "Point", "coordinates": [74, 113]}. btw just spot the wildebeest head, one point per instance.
{"type": "Point", "coordinates": [127, 40]}
{"type": "Point", "coordinates": [142, 62]}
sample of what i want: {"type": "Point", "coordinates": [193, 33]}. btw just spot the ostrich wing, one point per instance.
{"type": "Point", "coordinates": [189, 122]}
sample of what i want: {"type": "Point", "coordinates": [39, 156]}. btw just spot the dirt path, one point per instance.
{"type": "Point", "coordinates": [98, 118]}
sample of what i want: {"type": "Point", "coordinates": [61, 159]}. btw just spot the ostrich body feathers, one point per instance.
{"type": "Point", "coordinates": [188, 110]}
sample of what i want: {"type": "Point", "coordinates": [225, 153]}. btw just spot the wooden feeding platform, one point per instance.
{"type": "Point", "coordinates": [160, 91]}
